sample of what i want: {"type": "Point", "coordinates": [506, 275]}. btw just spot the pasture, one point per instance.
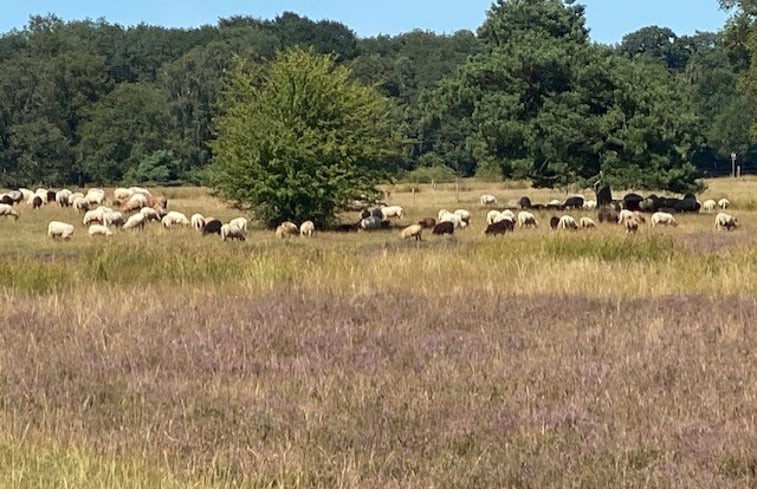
{"type": "Point", "coordinates": [536, 359]}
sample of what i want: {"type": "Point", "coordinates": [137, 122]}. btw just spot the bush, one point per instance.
{"type": "Point", "coordinates": [429, 174]}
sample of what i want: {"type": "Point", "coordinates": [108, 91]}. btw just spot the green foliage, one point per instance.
{"type": "Point", "coordinates": [155, 169]}
{"type": "Point", "coordinates": [300, 140]}
{"type": "Point", "coordinates": [431, 174]}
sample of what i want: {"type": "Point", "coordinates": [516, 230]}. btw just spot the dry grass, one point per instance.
{"type": "Point", "coordinates": [538, 359]}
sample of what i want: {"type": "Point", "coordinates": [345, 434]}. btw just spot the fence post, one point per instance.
{"type": "Point", "coordinates": [457, 190]}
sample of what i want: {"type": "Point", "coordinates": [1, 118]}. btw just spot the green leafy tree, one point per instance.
{"type": "Point", "coordinates": [300, 140]}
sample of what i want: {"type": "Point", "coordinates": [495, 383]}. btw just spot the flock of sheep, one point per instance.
{"type": "Point", "coordinates": [137, 207]}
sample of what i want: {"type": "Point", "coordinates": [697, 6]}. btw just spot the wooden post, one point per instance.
{"type": "Point", "coordinates": [738, 171]}
{"type": "Point", "coordinates": [457, 190]}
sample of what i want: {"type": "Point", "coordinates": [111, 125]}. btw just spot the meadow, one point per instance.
{"type": "Point", "coordinates": [538, 359]}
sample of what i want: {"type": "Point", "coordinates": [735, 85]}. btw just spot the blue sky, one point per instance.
{"type": "Point", "coordinates": [608, 20]}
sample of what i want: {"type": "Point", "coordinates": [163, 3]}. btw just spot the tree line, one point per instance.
{"type": "Point", "coordinates": [526, 96]}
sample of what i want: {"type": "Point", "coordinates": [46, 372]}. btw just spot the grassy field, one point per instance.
{"type": "Point", "coordinates": [538, 359]}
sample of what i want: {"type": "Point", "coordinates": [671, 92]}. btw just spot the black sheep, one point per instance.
{"type": "Point", "coordinates": [500, 227]}
{"type": "Point", "coordinates": [212, 226]}
{"type": "Point", "coordinates": [444, 228]}
{"type": "Point", "coordinates": [7, 199]}
{"type": "Point", "coordinates": [525, 203]}
{"type": "Point", "coordinates": [51, 196]}
{"type": "Point", "coordinates": [576, 202]}
{"type": "Point", "coordinates": [632, 201]}
{"type": "Point", "coordinates": [554, 221]}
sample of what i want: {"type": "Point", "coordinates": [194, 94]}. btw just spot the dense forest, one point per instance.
{"type": "Point", "coordinates": [526, 96]}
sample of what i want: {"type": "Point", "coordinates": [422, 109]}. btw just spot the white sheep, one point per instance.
{"type": "Point", "coordinates": [527, 219]}
{"type": "Point", "coordinates": [587, 223]}
{"type": "Point", "coordinates": [412, 231]}
{"type": "Point", "coordinates": [93, 216]}
{"type": "Point", "coordinates": [442, 213]}
{"type": "Point", "coordinates": [724, 204]}
{"type": "Point", "coordinates": [139, 190]}
{"type": "Point", "coordinates": [493, 216]}
{"type": "Point", "coordinates": [285, 229]}
{"type": "Point", "coordinates": [122, 194]}
{"type": "Point", "coordinates": [590, 204]}
{"type": "Point", "coordinates": [239, 222]}
{"type": "Point", "coordinates": [555, 202]}
{"type": "Point", "coordinates": [509, 214]}
{"type": "Point", "coordinates": [135, 203]}
{"type": "Point", "coordinates": [487, 199]}
{"type": "Point", "coordinates": [136, 221]}
{"type": "Point", "coordinates": [95, 196]}
{"type": "Point", "coordinates": [391, 211]}
{"type": "Point", "coordinates": [567, 222]}
{"type": "Point", "coordinates": [709, 205]}
{"type": "Point", "coordinates": [454, 219]}
{"type": "Point", "coordinates": [464, 215]}
{"type": "Point", "coordinates": [149, 213]}
{"type": "Point", "coordinates": [99, 230]}
{"type": "Point", "coordinates": [26, 193]}
{"type": "Point", "coordinates": [113, 218]}
{"type": "Point", "coordinates": [42, 192]}
{"type": "Point", "coordinates": [80, 204]}
{"type": "Point", "coordinates": [174, 218]}
{"type": "Point", "coordinates": [231, 232]}
{"type": "Point", "coordinates": [197, 221]}
{"type": "Point", "coordinates": [57, 229]}
{"type": "Point", "coordinates": [664, 219]}
{"type": "Point", "coordinates": [7, 210]}
{"type": "Point", "coordinates": [307, 228]}
{"type": "Point", "coordinates": [63, 197]}
{"type": "Point", "coordinates": [725, 221]}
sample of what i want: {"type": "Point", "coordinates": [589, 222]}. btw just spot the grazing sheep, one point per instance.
{"type": "Point", "coordinates": [80, 204]}
{"type": "Point", "coordinates": [724, 204]}
{"type": "Point", "coordinates": [113, 218]}
{"type": "Point", "coordinates": [391, 211]}
{"type": "Point", "coordinates": [607, 214]}
{"type": "Point", "coordinates": [709, 205]}
{"type": "Point", "coordinates": [93, 216]}
{"type": "Point", "coordinates": [412, 231]}
{"type": "Point", "coordinates": [136, 221]}
{"type": "Point", "coordinates": [150, 214]}
{"type": "Point", "coordinates": [487, 199]}
{"type": "Point", "coordinates": [631, 225]}
{"type": "Point", "coordinates": [464, 215]}
{"type": "Point", "coordinates": [567, 222]}
{"type": "Point", "coordinates": [307, 229]}
{"type": "Point", "coordinates": [140, 190]}
{"type": "Point", "coordinates": [63, 198]}
{"type": "Point", "coordinates": [493, 216]}
{"type": "Point", "coordinates": [427, 222]}
{"type": "Point", "coordinates": [575, 202]}
{"type": "Point", "coordinates": [51, 196]}
{"type": "Point", "coordinates": [26, 194]}
{"type": "Point", "coordinates": [232, 232]}
{"type": "Point", "coordinates": [441, 213]}
{"type": "Point", "coordinates": [135, 203]}
{"type": "Point", "coordinates": [590, 205]}
{"type": "Point", "coordinates": [212, 226]}
{"type": "Point", "coordinates": [287, 228]}
{"type": "Point", "coordinates": [239, 222]}
{"type": "Point", "coordinates": [631, 201]}
{"type": "Point", "coordinates": [57, 229]}
{"type": "Point", "coordinates": [499, 227]}
{"type": "Point", "coordinates": [99, 230]}
{"type": "Point", "coordinates": [444, 227]}
{"type": "Point", "coordinates": [6, 199]}
{"type": "Point", "coordinates": [7, 210]}
{"type": "Point", "coordinates": [726, 221]}
{"type": "Point", "coordinates": [122, 194]}
{"type": "Point", "coordinates": [95, 196]}
{"type": "Point", "coordinates": [174, 218]}
{"type": "Point", "coordinates": [526, 219]}
{"type": "Point", "coordinates": [663, 218]}
{"type": "Point", "coordinates": [587, 223]}
{"type": "Point", "coordinates": [455, 219]}
{"type": "Point", "coordinates": [371, 222]}
{"type": "Point", "coordinates": [197, 221]}
{"type": "Point", "coordinates": [524, 202]}
{"type": "Point", "coordinates": [36, 202]}
{"type": "Point", "coordinates": [554, 221]}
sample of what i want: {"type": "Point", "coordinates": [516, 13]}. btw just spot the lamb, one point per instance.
{"type": "Point", "coordinates": [664, 219]}
{"type": "Point", "coordinates": [136, 221]}
{"type": "Point", "coordinates": [307, 229]}
{"type": "Point", "coordinates": [285, 229]}
{"type": "Point", "coordinates": [587, 223]}
{"type": "Point", "coordinates": [239, 222]}
{"type": "Point", "coordinates": [487, 199]}
{"type": "Point", "coordinates": [150, 214]}
{"type": "Point", "coordinates": [232, 232]}
{"type": "Point", "coordinates": [427, 222]}
{"type": "Point", "coordinates": [500, 227]}
{"type": "Point", "coordinates": [724, 204]}
{"type": "Point", "coordinates": [726, 221]}
{"type": "Point", "coordinates": [197, 221]}
{"type": "Point", "coordinates": [527, 219]}
{"type": "Point", "coordinates": [567, 222]}
{"type": "Point", "coordinates": [174, 218]}
{"type": "Point", "coordinates": [412, 231]}
{"type": "Point", "coordinates": [709, 205]}
{"type": "Point", "coordinates": [444, 227]}
{"type": "Point", "coordinates": [99, 230]}
{"type": "Point", "coordinates": [7, 210]}
{"type": "Point", "coordinates": [57, 229]}
{"type": "Point", "coordinates": [391, 211]}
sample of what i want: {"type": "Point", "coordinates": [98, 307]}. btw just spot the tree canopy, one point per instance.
{"type": "Point", "coordinates": [300, 140]}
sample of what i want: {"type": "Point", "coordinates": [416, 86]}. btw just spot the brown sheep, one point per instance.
{"type": "Point", "coordinates": [427, 222]}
